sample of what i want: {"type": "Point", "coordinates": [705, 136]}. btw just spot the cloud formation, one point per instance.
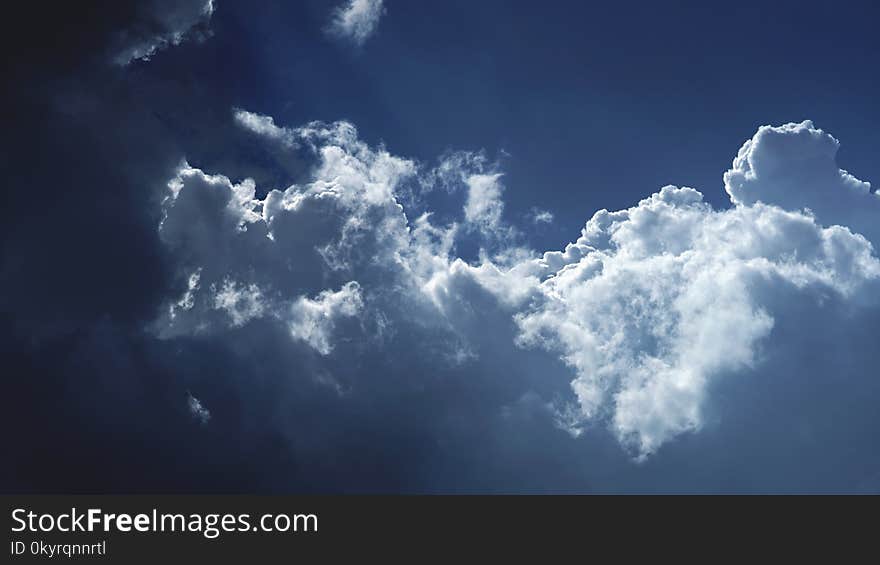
{"type": "Point", "coordinates": [357, 20]}
{"type": "Point", "coordinates": [650, 308]}
{"type": "Point", "coordinates": [350, 328]}
{"type": "Point", "coordinates": [160, 24]}
{"type": "Point", "coordinates": [654, 303]}
{"type": "Point", "coordinates": [794, 166]}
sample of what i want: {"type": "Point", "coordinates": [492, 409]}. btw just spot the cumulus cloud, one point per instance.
{"type": "Point", "coordinates": [292, 255]}
{"type": "Point", "coordinates": [794, 166]}
{"type": "Point", "coordinates": [653, 304]}
{"type": "Point", "coordinates": [357, 20]}
{"type": "Point", "coordinates": [161, 23]}
{"type": "Point", "coordinates": [668, 296]}
{"type": "Point", "coordinates": [650, 308]}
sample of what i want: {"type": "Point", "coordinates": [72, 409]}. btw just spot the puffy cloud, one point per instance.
{"type": "Point", "coordinates": [653, 304]}
{"type": "Point", "coordinates": [651, 308]}
{"type": "Point", "coordinates": [214, 223]}
{"type": "Point", "coordinates": [794, 166]}
{"type": "Point", "coordinates": [345, 222]}
{"type": "Point", "coordinates": [312, 320]}
{"type": "Point", "coordinates": [160, 24]}
{"type": "Point", "coordinates": [291, 256]}
{"type": "Point", "coordinates": [357, 20]}
{"type": "Point", "coordinates": [670, 295]}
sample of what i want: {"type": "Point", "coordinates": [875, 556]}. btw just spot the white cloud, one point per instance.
{"type": "Point", "coordinates": [539, 216]}
{"type": "Point", "coordinates": [671, 295]}
{"type": "Point", "coordinates": [312, 320]}
{"type": "Point", "coordinates": [653, 304]}
{"type": "Point", "coordinates": [357, 20]}
{"type": "Point", "coordinates": [650, 308]}
{"type": "Point", "coordinates": [241, 303]}
{"type": "Point", "coordinates": [197, 409]}
{"type": "Point", "coordinates": [484, 205]}
{"type": "Point", "coordinates": [162, 23]}
{"type": "Point", "coordinates": [266, 258]}
{"type": "Point", "coordinates": [263, 125]}
{"type": "Point", "coordinates": [794, 166]}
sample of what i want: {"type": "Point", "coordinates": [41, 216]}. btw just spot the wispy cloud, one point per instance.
{"type": "Point", "coordinates": [357, 20]}
{"type": "Point", "coordinates": [539, 216]}
{"type": "Point", "coordinates": [162, 24]}
{"type": "Point", "coordinates": [197, 409]}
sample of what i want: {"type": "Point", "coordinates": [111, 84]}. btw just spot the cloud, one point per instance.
{"type": "Point", "coordinates": [668, 296]}
{"type": "Point", "coordinates": [653, 304]}
{"type": "Point", "coordinates": [538, 216]}
{"type": "Point", "coordinates": [651, 309]}
{"type": "Point", "coordinates": [160, 24]}
{"type": "Point", "coordinates": [352, 331]}
{"type": "Point", "coordinates": [357, 20]}
{"type": "Point", "coordinates": [245, 258]}
{"type": "Point", "coordinates": [263, 126]}
{"type": "Point", "coordinates": [197, 409]}
{"type": "Point", "coordinates": [794, 166]}
{"type": "Point", "coordinates": [484, 205]}
{"type": "Point", "coordinates": [241, 303]}
{"type": "Point", "coordinates": [312, 320]}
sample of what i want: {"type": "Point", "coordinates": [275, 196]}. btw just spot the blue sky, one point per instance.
{"type": "Point", "coordinates": [360, 247]}
{"type": "Point", "coordinates": [596, 104]}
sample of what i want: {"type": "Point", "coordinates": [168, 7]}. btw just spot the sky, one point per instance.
{"type": "Point", "coordinates": [381, 246]}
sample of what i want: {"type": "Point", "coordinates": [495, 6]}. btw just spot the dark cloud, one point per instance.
{"type": "Point", "coordinates": [87, 150]}
{"type": "Point", "coordinates": [159, 24]}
